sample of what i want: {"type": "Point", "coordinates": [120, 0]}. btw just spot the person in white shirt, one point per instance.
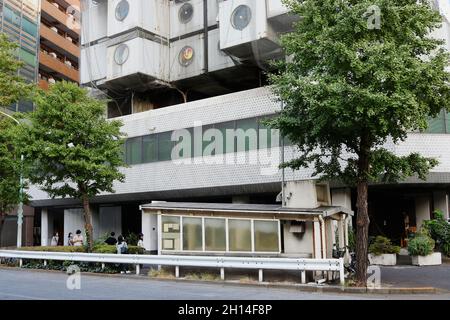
{"type": "Point", "coordinates": [78, 239]}
{"type": "Point", "coordinates": [140, 243]}
{"type": "Point", "coordinates": [55, 240]}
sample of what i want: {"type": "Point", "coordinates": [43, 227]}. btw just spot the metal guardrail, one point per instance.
{"type": "Point", "coordinates": [222, 262]}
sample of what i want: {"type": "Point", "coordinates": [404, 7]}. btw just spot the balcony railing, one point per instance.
{"type": "Point", "coordinates": [55, 65]}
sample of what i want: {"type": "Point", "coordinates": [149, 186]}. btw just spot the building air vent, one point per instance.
{"type": "Point", "coordinates": [241, 17]}
{"type": "Point", "coordinates": [186, 56]}
{"type": "Point", "coordinates": [297, 227]}
{"type": "Point", "coordinates": [121, 54]}
{"type": "Point", "coordinates": [186, 13]}
{"type": "Point", "coordinates": [122, 10]}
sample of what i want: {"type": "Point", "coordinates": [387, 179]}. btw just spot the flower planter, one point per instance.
{"type": "Point", "coordinates": [433, 259]}
{"type": "Point", "coordinates": [386, 259]}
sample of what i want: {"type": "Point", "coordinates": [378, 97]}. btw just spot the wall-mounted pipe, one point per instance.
{"type": "Point", "coordinates": [205, 31]}
{"type": "Point", "coordinates": [322, 237]}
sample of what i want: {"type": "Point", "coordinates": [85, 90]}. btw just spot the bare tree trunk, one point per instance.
{"type": "Point", "coordinates": [362, 215]}
{"type": "Point", "coordinates": [88, 222]}
{"type": "Point", "coordinates": [362, 233]}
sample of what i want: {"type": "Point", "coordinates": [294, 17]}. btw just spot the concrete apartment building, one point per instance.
{"type": "Point", "coordinates": [59, 41]}
{"type": "Point", "coordinates": [178, 67]}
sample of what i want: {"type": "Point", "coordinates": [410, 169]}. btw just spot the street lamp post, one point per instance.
{"type": "Point", "coordinates": [20, 208]}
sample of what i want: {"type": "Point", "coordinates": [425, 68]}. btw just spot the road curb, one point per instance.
{"type": "Point", "coordinates": [313, 288]}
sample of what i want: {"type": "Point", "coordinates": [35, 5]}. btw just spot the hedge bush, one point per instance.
{"type": "Point", "coordinates": [421, 245]}
{"type": "Point", "coordinates": [439, 230]}
{"type": "Point", "coordinates": [383, 245]}
{"type": "Point", "coordinates": [101, 248]}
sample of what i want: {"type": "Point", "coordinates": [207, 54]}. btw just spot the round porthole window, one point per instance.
{"type": "Point", "coordinates": [241, 17]}
{"type": "Point", "coordinates": [121, 54]}
{"type": "Point", "coordinates": [122, 10]}
{"type": "Point", "coordinates": [185, 13]}
{"type": "Point", "coordinates": [186, 56]}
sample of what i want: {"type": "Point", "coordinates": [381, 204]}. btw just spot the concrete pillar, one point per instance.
{"type": "Point", "coordinates": [341, 232]}
{"type": "Point", "coordinates": [441, 202]}
{"type": "Point", "coordinates": [317, 241]}
{"type": "Point", "coordinates": [44, 227]}
{"type": "Point", "coordinates": [329, 237]}
{"type": "Point", "coordinates": [423, 211]}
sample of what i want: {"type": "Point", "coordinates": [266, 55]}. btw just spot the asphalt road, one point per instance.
{"type": "Point", "coordinates": [35, 285]}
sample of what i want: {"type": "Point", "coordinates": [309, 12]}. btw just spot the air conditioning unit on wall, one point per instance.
{"type": "Point", "coordinates": [137, 61]}
{"type": "Point", "coordinates": [150, 15]}
{"type": "Point", "coordinates": [187, 16]}
{"type": "Point", "coordinates": [95, 21]}
{"type": "Point", "coordinates": [245, 32]}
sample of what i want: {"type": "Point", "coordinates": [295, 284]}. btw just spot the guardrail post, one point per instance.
{"type": "Point", "coordinates": [103, 266]}
{"type": "Point", "coordinates": [341, 271]}
{"type": "Point", "coordinates": [303, 276]}
{"type": "Point", "coordinates": [45, 263]}
{"type": "Point", "coordinates": [222, 273]}
{"type": "Point", "coordinates": [20, 263]}
{"type": "Point", "coordinates": [138, 269]}
{"type": "Point", "coordinates": [260, 275]}
{"type": "Point", "coordinates": [177, 272]}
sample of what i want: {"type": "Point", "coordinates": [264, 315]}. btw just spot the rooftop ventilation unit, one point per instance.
{"type": "Point", "coordinates": [187, 16]}
{"type": "Point", "coordinates": [150, 15]}
{"type": "Point", "coordinates": [244, 30]}
{"type": "Point", "coordinates": [136, 63]}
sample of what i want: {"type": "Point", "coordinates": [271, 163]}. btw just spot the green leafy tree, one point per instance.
{"type": "Point", "coordinates": [76, 151]}
{"type": "Point", "coordinates": [352, 85]}
{"type": "Point", "coordinates": [12, 89]}
{"type": "Point", "coordinates": [12, 86]}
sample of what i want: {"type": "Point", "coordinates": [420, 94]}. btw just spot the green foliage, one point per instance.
{"type": "Point", "coordinates": [351, 239]}
{"type": "Point", "coordinates": [132, 239]}
{"type": "Point", "coordinates": [10, 167]}
{"type": "Point", "coordinates": [421, 245]}
{"type": "Point", "coordinates": [439, 230]}
{"type": "Point", "coordinates": [12, 89]}
{"type": "Point", "coordinates": [12, 86]}
{"type": "Point", "coordinates": [75, 150]}
{"type": "Point", "coordinates": [54, 249]}
{"type": "Point", "coordinates": [99, 248]}
{"type": "Point", "coordinates": [349, 89]}
{"type": "Point", "coordinates": [72, 149]}
{"type": "Point", "coordinates": [382, 245]}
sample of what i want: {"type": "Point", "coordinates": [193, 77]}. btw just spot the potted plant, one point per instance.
{"type": "Point", "coordinates": [421, 248]}
{"type": "Point", "coordinates": [383, 252]}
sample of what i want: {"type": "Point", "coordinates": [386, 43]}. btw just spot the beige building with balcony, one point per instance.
{"type": "Point", "coordinates": [59, 41]}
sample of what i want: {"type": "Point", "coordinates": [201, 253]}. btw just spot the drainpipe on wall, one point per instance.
{"type": "Point", "coordinates": [322, 236]}
{"type": "Point", "coordinates": [205, 31]}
